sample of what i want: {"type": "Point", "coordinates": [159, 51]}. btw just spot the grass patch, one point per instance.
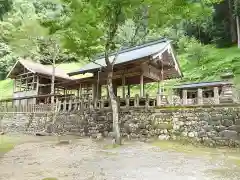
{"type": "Point", "coordinates": [185, 147]}
{"type": "Point", "coordinates": [6, 144]}
{"type": "Point", "coordinates": [230, 155]}
{"type": "Point", "coordinates": [111, 146]}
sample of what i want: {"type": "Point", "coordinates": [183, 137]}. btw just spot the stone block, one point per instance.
{"type": "Point", "coordinates": [227, 122]}
{"type": "Point", "coordinates": [111, 134]}
{"type": "Point", "coordinates": [164, 126]}
{"type": "Point", "coordinates": [229, 134]}
{"type": "Point", "coordinates": [220, 128]}
{"type": "Point", "coordinates": [105, 133]}
{"type": "Point", "coordinates": [235, 128]}
{"type": "Point", "coordinates": [191, 134]}
{"type": "Point", "coordinates": [228, 117]}
{"type": "Point", "coordinates": [164, 137]}
{"type": "Point", "coordinates": [215, 118]}
{"type": "Point", "coordinates": [208, 128]}
{"type": "Point", "coordinates": [202, 134]}
{"type": "Point", "coordinates": [237, 122]}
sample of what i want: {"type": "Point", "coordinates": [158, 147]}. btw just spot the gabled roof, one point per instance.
{"type": "Point", "coordinates": [202, 84]}
{"type": "Point", "coordinates": [35, 67]}
{"type": "Point", "coordinates": [127, 55]}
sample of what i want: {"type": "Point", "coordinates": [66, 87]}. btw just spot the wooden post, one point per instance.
{"type": "Point", "coordinates": [147, 101]}
{"type": "Point", "coordinates": [136, 103]}
{"type": "Point", "coordinates": [80, 91]}
{"type": "Point", "coordinates": [170, 96]}
{"type": "Point", "coordinates": [26, 79]}
{"type": "Point", "coordinates": [123, 86]}
{"type": "Point", "coordinates": [20, 88]}
{"type": "Point", "coordinates": [37, 86]}
{"type": "Point", "coordinates": [127, 100]}
{"type": "Point", "coordinates": [99, 95]}
{"type": "Point", "coordinates": [200, 96]}
{"type": "Point", "coordinates": [216, 95]}
{"type": "Point", "coordinates": [64, 105]}
{"type": "Point", "coordinates": [159, 99]}
{"type": "Point", "coordinates": [129, 91]}
{"type": "Point", "coordinates": [142, 86]}
{"type": "Point", "coordinates": [184, 96]}
{"type": "Point", "coordinates": [94, 92]}
{"type": "Point", "coordinates": [14, 85]}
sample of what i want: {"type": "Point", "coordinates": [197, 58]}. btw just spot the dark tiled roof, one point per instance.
{"type": "Point", "coordinates": [202, 84]}
{"type": "Point", "coordinates": [126, 55]}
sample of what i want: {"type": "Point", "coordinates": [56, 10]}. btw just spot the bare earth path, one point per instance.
{"type": "Point", "coordinates": [86, 159]}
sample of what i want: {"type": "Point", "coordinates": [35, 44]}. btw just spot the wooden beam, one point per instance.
{"type": "Point", "coordinates": [123, 86]}
{"type": "Point", "coordinates": [37, 86]}
{"type": "Point", "coordinates": [151, 72]}
{"type": "Point", "coordinates": [141, 86]}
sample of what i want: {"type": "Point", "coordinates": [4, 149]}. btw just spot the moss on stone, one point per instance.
{"type": "Point", "coordinates": [111, 146]}
{"type": "Point", "coordinates": [167, 126]}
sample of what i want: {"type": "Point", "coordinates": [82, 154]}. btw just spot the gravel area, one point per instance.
{"type": "Point", "coordinates": [84, 159]}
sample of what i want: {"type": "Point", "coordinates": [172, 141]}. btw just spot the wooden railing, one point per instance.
{"type": "Point", "coordinates": [71, 104]}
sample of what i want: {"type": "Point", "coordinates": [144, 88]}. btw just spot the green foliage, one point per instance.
{"type": "Point", "coordinates": [5, 6]}
{"type": "Point", "coordinates": [82, 28]}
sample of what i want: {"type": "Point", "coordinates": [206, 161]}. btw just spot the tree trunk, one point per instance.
{"type": "Point", "coordinates": [53, 92]}
{"type": "Point", "coordinates": [238, 30]}
{"type": "Point", "coordinates": [232, 21]}
{"type": "Point", "coordinates": [53, 82]}
{"type": "Point", "coordinates": [115, 108]}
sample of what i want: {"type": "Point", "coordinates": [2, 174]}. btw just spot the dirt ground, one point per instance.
{"type": "Point", "coordinates": [85, 159]}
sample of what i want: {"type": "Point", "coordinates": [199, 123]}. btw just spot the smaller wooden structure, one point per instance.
{"type": "Point", "coordinates": [215, 92]}
{"type": "Point", "coordinates": [34, 79]}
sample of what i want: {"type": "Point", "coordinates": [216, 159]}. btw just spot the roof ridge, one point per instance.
{"type": "Point", "coordinates": [127, 49]}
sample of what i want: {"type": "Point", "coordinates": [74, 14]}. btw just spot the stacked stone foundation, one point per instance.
{"type": "Point", "coordinates": [211, 126]}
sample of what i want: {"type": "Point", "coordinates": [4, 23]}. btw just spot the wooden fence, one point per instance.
{"type": "Point", "coordinates": [76, 104]}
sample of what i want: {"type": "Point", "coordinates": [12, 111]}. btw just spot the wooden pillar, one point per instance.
{"type": "Point", "coordinates": [14, 85]}
{"type": "Point", "coordinates": [94, 91]}
{"type": "Point", "coordinates": [123, 86]}
{"type": "Point", "coordinates": [159, 99]}
{"type": "Point", "coordinates": [99, 91]}
{"type": "Point", "coordinates": [141, 86]}
{"type": "Point", "coordinates": [170, 96]}
{"type": "Point", "coordinates": [20, 88]}
{"type": "Point", "coordinates": [80, 90]}
{"type": "Point", "coordinates": [107, 91]}
{"type": "Point", "coordinates": [216, 95]}
{"type": "Point", "coordinates": [158, 91]}
{"type": "Point", "coordinates": [136, 101]}
{"type": "Point", "coordinates": [184, 96]}
{"type": "Point", "coordinates": [200, 96]}
{"type": "Point", "coordinates": [129, 91]}
{"type": "Point", "coordinates": [37, 84]}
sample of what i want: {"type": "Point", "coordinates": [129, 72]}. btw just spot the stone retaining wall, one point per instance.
{"type": "Point", "coordinates": [210, 126]}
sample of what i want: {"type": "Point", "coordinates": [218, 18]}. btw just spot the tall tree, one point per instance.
{"type": "Point", "coordinates": [96, 25]}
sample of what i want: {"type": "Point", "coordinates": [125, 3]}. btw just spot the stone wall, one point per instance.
{"type": "Point", "coordinates": [211, 126]}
